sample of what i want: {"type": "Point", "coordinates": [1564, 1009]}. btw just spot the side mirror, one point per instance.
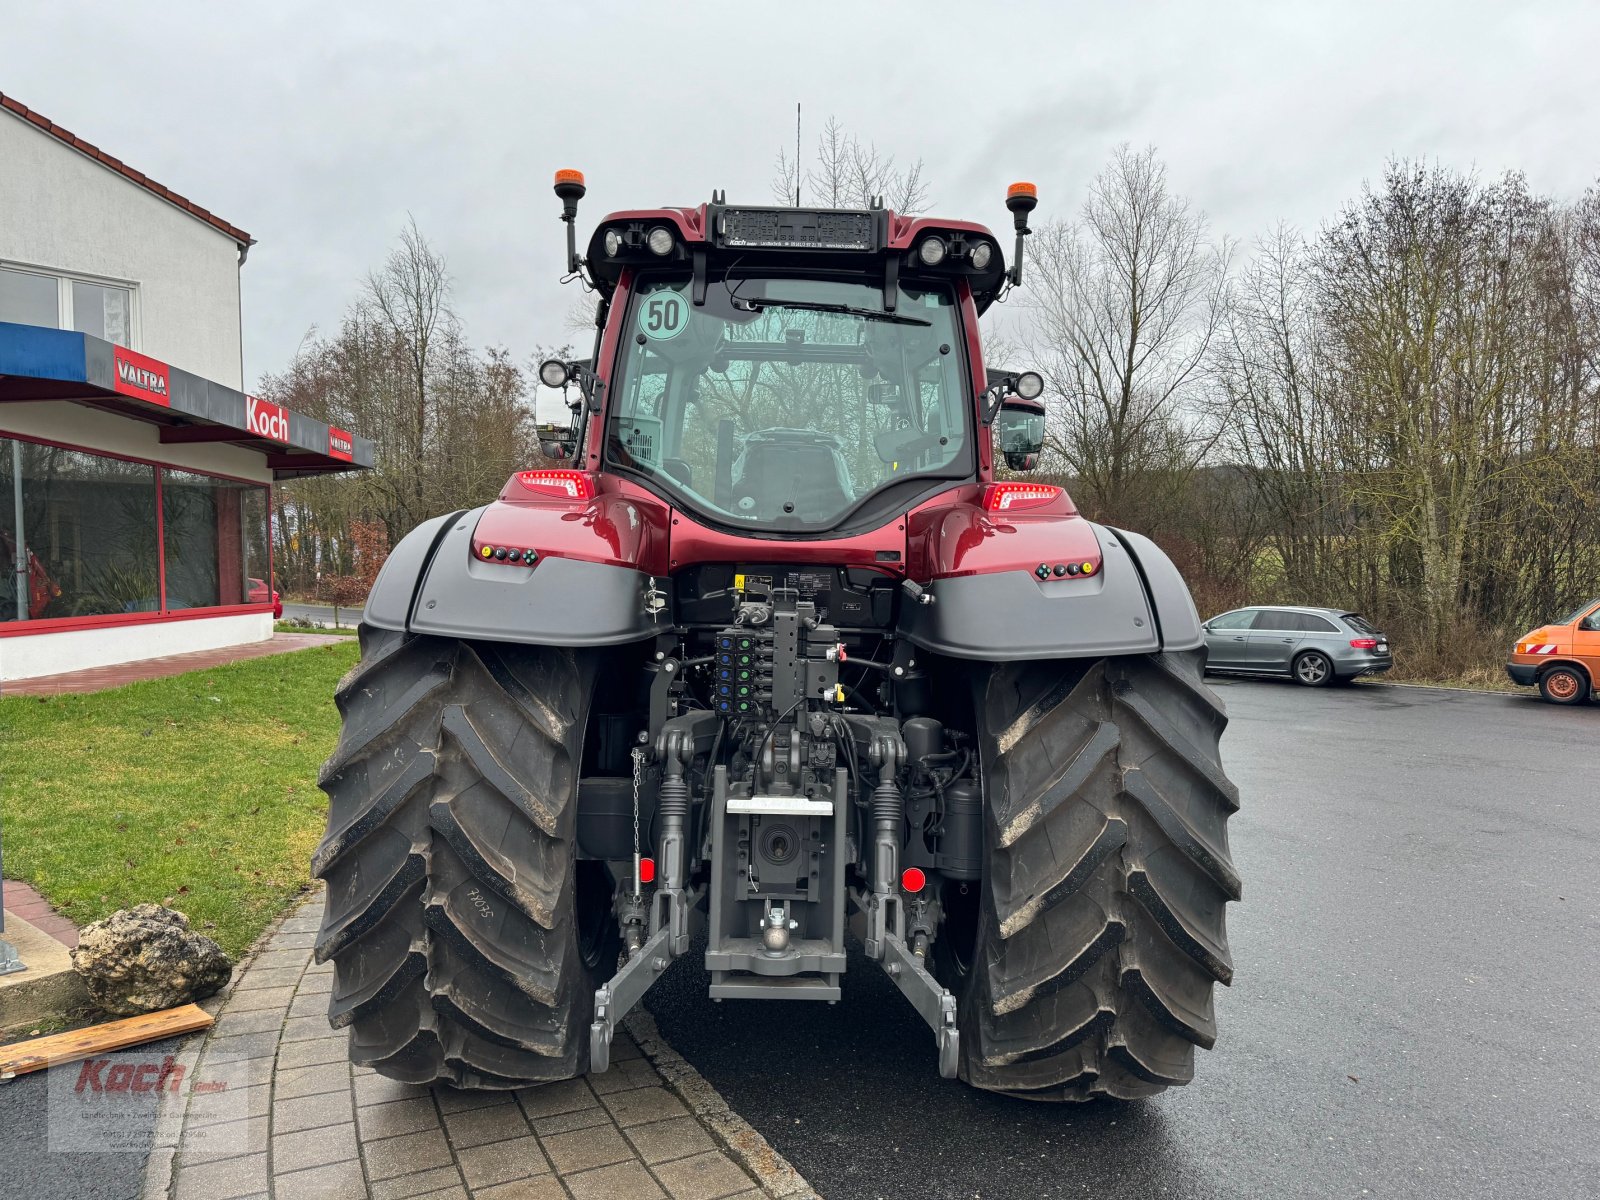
{"type": "Point", "coordinates": [1019, 432]}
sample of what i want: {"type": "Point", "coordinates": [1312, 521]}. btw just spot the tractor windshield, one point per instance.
{"type": "Point", "coordinates": [789, 416]}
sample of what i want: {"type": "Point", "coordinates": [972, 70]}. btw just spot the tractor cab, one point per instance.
{"type": "Point", "coordinates": [792, 372]}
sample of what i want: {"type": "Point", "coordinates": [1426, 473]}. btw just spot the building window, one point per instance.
{"type": "Point", "coordinates": [216, 541]}
{"type": "Point", "coordinates": [29, 299]}
{"type": "Point", "coordinates": [54, 301]}
{"type": "Point", "coordinates": [102, 311]}
{"type": "Point", "coordinates": [86, 541]}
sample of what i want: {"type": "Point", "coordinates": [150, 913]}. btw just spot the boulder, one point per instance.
{"type": "Point", "coordinates": [146, 958]}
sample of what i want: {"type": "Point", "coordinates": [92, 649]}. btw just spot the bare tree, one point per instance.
{"type": "Point", "coordinates": [1272, 380]}
{"type": "Point", "coordinates": [1121, 309]}
{"type": "Point", "coordinates": [849, 173]}
{"type": "Point", "coordinates": [410, 295]}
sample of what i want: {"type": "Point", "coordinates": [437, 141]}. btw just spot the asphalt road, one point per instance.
{"type": "Point", "coordinates": [322, 614]}
{"type": "Point", "coordinates": [1416, 1010]}
{"type": "Point", "coordinates": [30, 1168]}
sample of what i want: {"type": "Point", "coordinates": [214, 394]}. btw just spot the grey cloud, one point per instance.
{"type": "Point", "coordinates": [318, 127]}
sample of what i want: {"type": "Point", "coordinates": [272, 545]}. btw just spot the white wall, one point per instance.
{"type": "Point", "coordinates": [61, 210]}
{"type": "Point", "coordinates": [91, 429]}
{"type": "Point", "coordinates": [37, 654]}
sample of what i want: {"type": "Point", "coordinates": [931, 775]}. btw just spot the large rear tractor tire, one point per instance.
{"type": "Point", "coordinates": [1097, 936]}
{"type": "Point", "coordinates": [465, 937]}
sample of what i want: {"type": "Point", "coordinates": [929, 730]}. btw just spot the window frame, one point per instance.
{"type": "Point", "coordinates": [14, 628]}
{"type": "Point", "coordinates": [866, 512]}
{"type": "Point", "coordinates": [1274, 614]}
{"type": "Point", "coordinates": [1316, 623]}
{"type": "Point", "coordinates": [64, 303]}
{"type": "Point", "coordinates": [1251, 611]}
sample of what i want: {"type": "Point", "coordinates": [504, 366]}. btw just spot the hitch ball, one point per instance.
{"type": "Point", "coordinates": [775, 927]}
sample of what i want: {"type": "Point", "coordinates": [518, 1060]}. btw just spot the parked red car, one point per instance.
{"type": "Point", "coordinates": [258, 594]}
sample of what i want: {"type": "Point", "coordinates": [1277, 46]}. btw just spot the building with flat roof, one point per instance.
{"type": "Point", "coordinates": [135, 473]}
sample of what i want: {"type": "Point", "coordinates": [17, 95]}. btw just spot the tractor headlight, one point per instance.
{"type": "Point", "coordinates": [1030, 385]}
{"type": "Point", "coordinates": [553, 373]}
{"type": "Point", "coordinates": [660, 240]}
{"type": "Point", "coordinates": [931, 251]}
{"type": "Point", "coordinates": [613, 243]}
{"type": "Point", "coordinates": [981, 254]}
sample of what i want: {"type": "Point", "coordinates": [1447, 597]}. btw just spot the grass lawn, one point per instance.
{"type": "Point", "coordinates": [291, 627]}
{"type": "Point", "coordinates": [197, 790]}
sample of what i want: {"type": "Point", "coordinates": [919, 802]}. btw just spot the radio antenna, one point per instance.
{"type": "Point", "coordinates": [797, 154]}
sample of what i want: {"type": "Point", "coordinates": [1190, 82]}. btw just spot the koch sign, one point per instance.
{"type": "Point", "coordinates": [266, 419]}
{"type": "Point", "coordinates": [140, 377]}
{"type": "Point", "coordinates": [341, 445]}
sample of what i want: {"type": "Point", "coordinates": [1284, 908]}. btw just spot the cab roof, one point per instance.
{"type": "Point", "coordinates": [877, 242]}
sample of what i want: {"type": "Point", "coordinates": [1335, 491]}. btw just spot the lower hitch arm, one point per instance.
{"type": "Point", "coordinates": [928, 997]}
{"type": "Point", "coordinates": [615, 998]}
{"type": "Point", "coordinates": [669, 913]}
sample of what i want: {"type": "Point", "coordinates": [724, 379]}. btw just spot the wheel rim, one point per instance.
{"type": "Point", "coordinates": [1313, 669]}
{"type": "Point", "coordinates": [1563, 685]}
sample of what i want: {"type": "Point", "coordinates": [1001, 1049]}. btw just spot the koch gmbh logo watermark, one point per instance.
{"type": "Point", "coordinates": [137, 1101]}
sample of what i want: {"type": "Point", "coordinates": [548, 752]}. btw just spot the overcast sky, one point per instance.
{"type": "Point", "coordinates": [318, 126]}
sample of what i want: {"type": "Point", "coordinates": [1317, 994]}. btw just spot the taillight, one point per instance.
{"type": "Point", "coordinates": [1363, 643]}
{"type": "Point", "coordinates": [1012, 497]}
{"type": "Point", "coordinates": [564, 485]}
{"type": "Point", "coordinates": [913, 880]}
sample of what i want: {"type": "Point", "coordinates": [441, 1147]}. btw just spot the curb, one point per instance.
{"type": "Point", "coordinates": [1445, 687]}
{"type": "Point", "coordinates": [770, 1169]}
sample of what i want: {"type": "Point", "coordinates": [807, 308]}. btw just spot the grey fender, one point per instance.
{"type": "Point", "coordinates": [1178, 622]}
{"type": "Point", "coordinates": [432, 584]}
{"type": "Point", "coordinates": [1137, 604]}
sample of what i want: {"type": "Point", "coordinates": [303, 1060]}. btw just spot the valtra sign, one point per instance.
{"type": "Point", "coordinates": [341, 445]}
{"type": "Point", "coordinates": [266, 419]}
{"type": "Point", "coordinates": [140, 377]}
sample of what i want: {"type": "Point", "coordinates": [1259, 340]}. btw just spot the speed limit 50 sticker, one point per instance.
{"type": "Point", "coordinates": [663, 315]}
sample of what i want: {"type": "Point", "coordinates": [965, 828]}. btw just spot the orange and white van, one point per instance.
{"type": "Point", "coordinates": [1562, 659]}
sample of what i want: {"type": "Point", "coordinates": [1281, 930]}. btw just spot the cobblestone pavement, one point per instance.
{"type": "Point", "coordinates": [297, 1121]}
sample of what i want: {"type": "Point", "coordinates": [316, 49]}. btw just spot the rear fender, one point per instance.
{"type": "Point", "coordinates": [1136, 603]}
{"type": "Point", "coordinates": [435, 583]}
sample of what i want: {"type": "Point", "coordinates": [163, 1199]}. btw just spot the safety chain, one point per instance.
{"type": "Point", "coordinates": [638, 767]}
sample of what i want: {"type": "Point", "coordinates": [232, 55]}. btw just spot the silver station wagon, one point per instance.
{"type": "Point", "coordinates": [1313, 646]}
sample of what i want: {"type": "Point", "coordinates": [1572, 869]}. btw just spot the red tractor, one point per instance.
{"type": "Point", "coordinates": [776, 652]}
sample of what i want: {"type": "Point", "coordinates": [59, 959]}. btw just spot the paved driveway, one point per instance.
{"type": "Point", "coordinates": [1415, 1009]}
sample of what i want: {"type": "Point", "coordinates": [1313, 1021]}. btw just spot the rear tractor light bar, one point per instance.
{"type": "Point", "coordinates": [558, 484]}
{"type": "Point", "coordinates": [1017, 497]}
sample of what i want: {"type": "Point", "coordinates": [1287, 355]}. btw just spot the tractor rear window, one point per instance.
{"type": "Point", "coordinates": [784, 403]}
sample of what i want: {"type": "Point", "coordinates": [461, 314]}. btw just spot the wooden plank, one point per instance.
{"type": "Point", "coordinates": [21, 1057]}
